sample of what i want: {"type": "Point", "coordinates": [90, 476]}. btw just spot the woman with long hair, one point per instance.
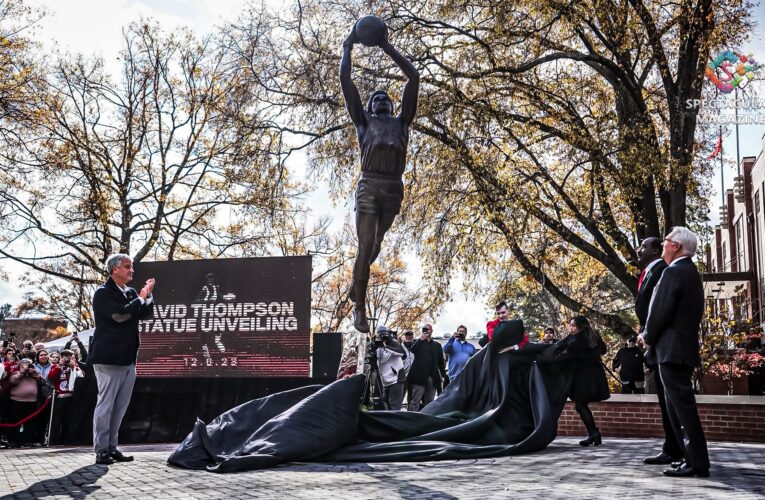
{"type": "Point", "coordinates": [589, 382]}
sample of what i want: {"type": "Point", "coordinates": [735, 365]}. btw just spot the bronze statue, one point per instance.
{"type": "Point", "coordinates": [383, 140]}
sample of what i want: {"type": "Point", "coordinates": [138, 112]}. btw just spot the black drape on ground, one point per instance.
{"type": "Point", "coordinates": [501, 404]}
{"type": "Point", "coordinates": [164, 410]}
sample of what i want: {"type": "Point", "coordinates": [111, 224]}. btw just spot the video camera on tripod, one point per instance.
{"type": "Point", "coordinates": [373, 395]}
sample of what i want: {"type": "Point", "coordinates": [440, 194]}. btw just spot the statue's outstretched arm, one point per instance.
{"type": "Point", "coordinates": [412, 88]}
{"type": "Point", "coordinates": [350, 92]}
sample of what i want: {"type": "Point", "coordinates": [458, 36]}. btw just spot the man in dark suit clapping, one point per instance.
{"type": "Point", "coordinates": [117, 309]}
{"type": "Point", "coordinates": [672, 332]}
{"type": "Point", "coordinates": [653, 266]}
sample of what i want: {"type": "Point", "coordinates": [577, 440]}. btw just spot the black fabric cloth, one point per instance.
{"type": "Point", "coordinates": [500, 404]}
{"type": "Point", "coordinates": [115, 339]}
{"type": "Point", "coordinates": [631, 362]}
{"type": "Point", "coordinates": [507, 334]}
{"type": "Point", "coordinates": [672, 328]}
{"type": "Point", "coordinates": [428, 362]}
{"type": "Point", "coordinates": [589, 376]}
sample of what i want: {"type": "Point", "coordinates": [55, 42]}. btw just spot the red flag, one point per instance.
{"type": "Point", "coordinates": [718, 148]}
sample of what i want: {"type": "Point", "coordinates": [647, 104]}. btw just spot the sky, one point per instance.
{"type": "Point", "coordinates": [93, 27]}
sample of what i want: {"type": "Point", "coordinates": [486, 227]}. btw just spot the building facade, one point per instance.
{"type": "Point", "coordinates": [735, 260]}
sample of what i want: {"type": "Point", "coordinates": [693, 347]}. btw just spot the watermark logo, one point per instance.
{"type": "Point", "coordinates": [730, 70]}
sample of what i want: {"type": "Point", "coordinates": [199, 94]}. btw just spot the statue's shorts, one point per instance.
{"type": "Point", "coordinates": [379, 194]}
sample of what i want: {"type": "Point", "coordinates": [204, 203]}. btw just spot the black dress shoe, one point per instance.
{"type": "Point", "coordinates": [686, 471]}
{"type": "Point", "coordinates": [660, 459]}
{"type": "Point", "coordinates": [678, 464]}
{"type": "Point", "coordinates": [104, 458]}
{"type": "Point", "coordinates": [118, 456]}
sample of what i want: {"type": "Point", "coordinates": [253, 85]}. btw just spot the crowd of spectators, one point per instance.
{"type": "Point", "coordinates": [34, 381]}
{"type": "Point", "coordinates": [418, 369]}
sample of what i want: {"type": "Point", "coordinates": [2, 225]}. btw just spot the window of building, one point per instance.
{"type": "Point", "coordinates": [757, 203]}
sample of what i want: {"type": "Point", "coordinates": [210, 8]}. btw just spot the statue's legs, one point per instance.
{"type": "Point", "coordinates": [370, 229]}
{"type": "Point", "coordinates": [383, 224]}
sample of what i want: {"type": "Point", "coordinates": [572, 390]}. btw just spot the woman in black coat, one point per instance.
{"type": "Point", "coordinates": [589, 382]}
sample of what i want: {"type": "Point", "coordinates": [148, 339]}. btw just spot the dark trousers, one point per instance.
{"type": "Point", "coordinates": [63, 424]}
{"type": "Point", "coordinates": [631, 388]}
{"type": "Point", "coordinates": [30, 431]}
{"type": "Point", "coordinates": [421, 395]}
{"type": "Point", "coordinates": [393, 395]}
{"type": "Point", "coordinates": [671, 444]}
{"type": "Point", "coordinates": [683, 414]}
{"type": "Point", "coordinates": [587, 418]}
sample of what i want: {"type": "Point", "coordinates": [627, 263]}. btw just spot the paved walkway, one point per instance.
{"type": "Point", "coordinates": [563, 470]}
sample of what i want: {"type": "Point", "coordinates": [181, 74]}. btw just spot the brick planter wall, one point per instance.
{"type": "Point", "coordinates": [724, 418]}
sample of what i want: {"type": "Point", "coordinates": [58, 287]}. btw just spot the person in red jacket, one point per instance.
{"type": "Point", "coordinates": [502, 315]}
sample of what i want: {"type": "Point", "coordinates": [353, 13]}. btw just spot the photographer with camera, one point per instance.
{"type": "Point", "coordinates": [390, 363]}
{"type": "Point", "coordinates": [459, 351]}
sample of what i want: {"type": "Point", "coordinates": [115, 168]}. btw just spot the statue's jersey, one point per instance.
{"type": "Point", "coordinates": [383, 146]}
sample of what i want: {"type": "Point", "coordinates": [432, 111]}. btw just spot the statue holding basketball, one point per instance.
{"type": "Point", "coordinates": [383, 140]}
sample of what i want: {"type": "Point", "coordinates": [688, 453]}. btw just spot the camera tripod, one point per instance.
{"type": "Point", "coordinates": [373, 389]}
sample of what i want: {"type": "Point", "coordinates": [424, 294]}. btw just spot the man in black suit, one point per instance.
{"type": "Point", "coordinates": [672, 331]}
{"type": "Point", "coordinates": [650, 261]}
{"type": "Point", "coordinates": [117, 310]}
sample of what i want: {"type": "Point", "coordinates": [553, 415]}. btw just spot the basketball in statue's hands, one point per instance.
{"type": "Point", "coordinates": [370, 31]}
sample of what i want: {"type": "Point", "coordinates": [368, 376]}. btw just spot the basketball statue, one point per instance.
{"type": "Point", "coordinates": [383, 140]}
{"type": "Point", "coordinates": [371, 31]}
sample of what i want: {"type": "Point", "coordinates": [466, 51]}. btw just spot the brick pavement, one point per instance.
{"type": "Point", "coordinates": [563, 470]}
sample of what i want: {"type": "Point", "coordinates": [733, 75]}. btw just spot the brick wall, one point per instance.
{"type": "Point", "coordinates": [724, 418]}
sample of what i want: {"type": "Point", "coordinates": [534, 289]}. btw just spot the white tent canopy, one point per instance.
{"type": "Point", "coordinates": [58, 344]}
